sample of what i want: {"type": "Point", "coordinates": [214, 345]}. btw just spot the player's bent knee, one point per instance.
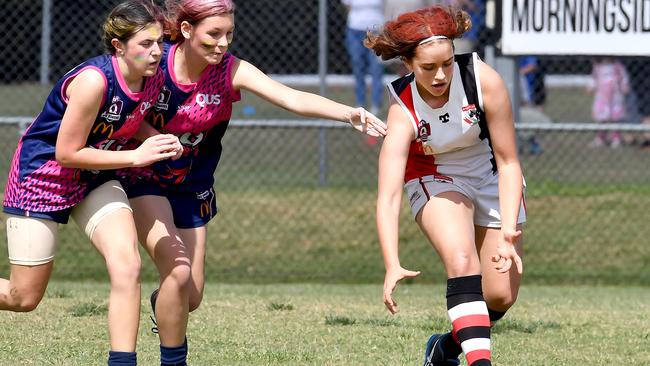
{"type": "Point", "coordinates": [195, 302]}
{"type": "Point", "coordinates": [26, 302]}
{"type": "Point", "coordinates": [181, 274]}
{"type": "Point", "coordinates": [462, 264]}
{"type": "Point", "coordinates": [501, 301]}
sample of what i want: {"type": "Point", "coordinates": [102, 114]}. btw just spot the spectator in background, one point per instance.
{"type": "Point", "coordinates": [533, 91]}
{"type": "Point", "coordinates": [609, 85]}
{"type": "Point", "coordinates": [476, 10]}
{"type": "Point", "coordinates": [639, 68]}
{"type": "Point", "coordinates": [364, 16]}
{"type": "Point", "coordinates": [533, 96]}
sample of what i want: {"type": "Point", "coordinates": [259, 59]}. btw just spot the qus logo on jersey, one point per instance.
{"type": "Point", "coordinates": [207, 99]}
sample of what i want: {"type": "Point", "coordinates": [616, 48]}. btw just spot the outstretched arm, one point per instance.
{"type": "Point", "coordinates": [502, 134]}
{"type": "Point", "coordinates": [246, 76]}
{"type": "Point", "coordinates": [392, 164]}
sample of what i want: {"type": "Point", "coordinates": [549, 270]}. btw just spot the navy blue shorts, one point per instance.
{"type": "Point", "coordinates": [190, 209]}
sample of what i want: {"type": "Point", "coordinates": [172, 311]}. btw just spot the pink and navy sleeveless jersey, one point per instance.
{"type": "Point", "coordinates": [453, 140]}
{"type": "Point", "coordinates": [37, 183]}
{"type": "Point", "coordinates": [198, 114]}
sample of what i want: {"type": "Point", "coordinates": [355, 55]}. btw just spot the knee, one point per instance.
{"type": "Point", "coordinates": [125, 272]}
{"type": "Point", "coordinates": [27, 305]}
{"type": "Point", "coordinates": [195, 301]}
{"type": "Point", "coordinates": [501, 301]}
{"type": "Point", "coordinates": [180, 275]}
{"type": "Point", "coordinates": [23, 303]}
{"type": "Point", "coordinates": [463, 264]}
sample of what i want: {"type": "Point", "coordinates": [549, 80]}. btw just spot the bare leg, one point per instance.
{"type": "Point", "coordinates": [499, 289]}
{"type": "Point", "coordinates": [448, 222]}
{"type": "Point", "coordinates": [161, 239]}
{"type": "Point", "coordinates": [25, 287]}
{"type": "Point", "coordinates": [195, 240]}
{"type": "Point", "coordinates": [116, 240]}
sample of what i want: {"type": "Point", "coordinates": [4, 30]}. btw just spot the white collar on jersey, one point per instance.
{"type": "Point", "coordinates": [433, 38]}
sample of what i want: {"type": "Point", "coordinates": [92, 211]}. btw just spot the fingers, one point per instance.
{"type": "Point", "coordinates": [362, 114]}
{"type": "Point", "coordinates": [519, 264]}
{"type": "Point", "coordinates": [372, 132]}
{"type": "Point", "coordinates": [506, 263]}
{"type": "Point", "coordinates": [164, 155]}
{"type": "Point", "coordinates": [377, 124]}
{"type": "Point", "coordinates": [411, 273]}
{"type": "Point", "coordinates": [391, 305]}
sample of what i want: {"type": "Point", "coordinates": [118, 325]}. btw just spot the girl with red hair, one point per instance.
{"type": "Point", "coordinates": [451, 143]}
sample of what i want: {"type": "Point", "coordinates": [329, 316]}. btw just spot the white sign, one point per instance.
{"type": "Point", "coordinates": [576, 27]}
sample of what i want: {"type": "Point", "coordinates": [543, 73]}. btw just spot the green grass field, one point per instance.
{"type": "Point", "coordinates": [299, 324]}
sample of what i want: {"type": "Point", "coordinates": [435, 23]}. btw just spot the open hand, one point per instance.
{"type": "Point", "coordinates": [393, 276]}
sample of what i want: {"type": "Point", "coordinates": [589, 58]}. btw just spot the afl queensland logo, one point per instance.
{"type": "Point", "coordinates": [424, 130]}
{"type": "Point", "coordinates": [162, 104]}
{"type": "Point", "coordinates": [470, 114]}
{"type": "Point", "coordinates": [114, 111]}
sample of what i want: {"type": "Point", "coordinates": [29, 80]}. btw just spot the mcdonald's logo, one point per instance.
{"type": "Point", "coordinates": [103, 128]}
{"type": "Point", "coordinates": [157, 120]}
{"type": "Point", "coordinates": [205, 209]}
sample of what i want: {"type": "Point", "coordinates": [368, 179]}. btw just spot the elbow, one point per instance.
{"type": "Point", "coordinates": [64, 159]}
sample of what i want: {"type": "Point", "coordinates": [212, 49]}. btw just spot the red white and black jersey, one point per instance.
{"type": "Point", "coordinates": [453, 140]}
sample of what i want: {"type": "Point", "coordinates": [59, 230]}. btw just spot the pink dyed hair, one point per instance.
{"type": "Point", "coordinates": [193, 11]}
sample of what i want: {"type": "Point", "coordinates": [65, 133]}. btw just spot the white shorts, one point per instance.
{"type": "Point", "coordinates": [484, 196]}
{"type": "Point", "coordinates": [32, 241]}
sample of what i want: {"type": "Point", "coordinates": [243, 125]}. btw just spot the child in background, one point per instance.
{"type": "Point", "coordinates": [609, 85]}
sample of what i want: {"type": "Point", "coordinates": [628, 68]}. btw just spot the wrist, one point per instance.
{"type": "Point", "coordinates": [390, 265]}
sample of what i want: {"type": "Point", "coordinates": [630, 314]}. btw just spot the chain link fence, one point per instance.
{"type": "Point", "coordinates": [296, 197]}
